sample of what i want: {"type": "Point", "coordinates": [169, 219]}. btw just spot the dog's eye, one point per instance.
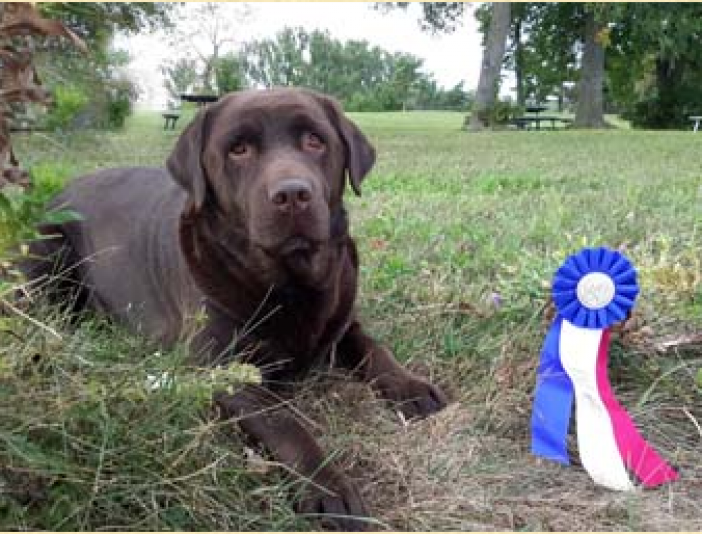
{"type": "Point", "coordinates": [312, 142]}
{"type": "Point", "coordinates": [241, 149]}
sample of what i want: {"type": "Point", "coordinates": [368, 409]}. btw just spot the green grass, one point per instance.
{"type": "Point", "coordinates": [459, 235]}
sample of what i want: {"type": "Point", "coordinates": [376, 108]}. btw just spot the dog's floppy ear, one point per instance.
{"type": "Point", "coordinates": [185, 161]}
{"type": "Point", "coordinates": [360, 154]}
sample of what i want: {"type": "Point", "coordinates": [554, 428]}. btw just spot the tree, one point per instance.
{"type": "Point", "coordinates": [97, 22]}
{"type": "Point", "coordinates": [95, 79]}
{"type": "Point", "coordinates": [21, 25]}
{"type": "Point", "coordinates": [362, 77]}
{"type": "Point", "coordinates": [404, 76]}
{"type": "Point", "coordinates": [205, 32]}
{"type": "Point", "coordinates": [180, 76]}
{"type": "Point", "coordinates": [550, 49]}
{"type": "Point", "coordinates": [443, 17]}
{"type": "Point", "coordinates": [229, 74]}
{"type": "Point", "coordinates": [278, 61]}
{"type": "Point", "coordinates": [546, 44]}
{"type": "Point", "coordinates": [644, 57]}
{"type": "Point", "coordinates": [655, 62]}
{"type": "Point", "coordinates": [436, 16]}
{"type": "Point", "coordinates": [493, 56]}
{"type": "Point", "coordinates": [515, 57]}
{"type": "Point", "coordinates": [590, 110]}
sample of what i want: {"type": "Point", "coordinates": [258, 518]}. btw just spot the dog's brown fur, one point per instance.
{"type": "Point", "coordinates": [248, 223]}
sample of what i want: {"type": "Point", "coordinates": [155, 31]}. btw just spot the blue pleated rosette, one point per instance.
{"type": "Point", "coordinates": [595, 288]}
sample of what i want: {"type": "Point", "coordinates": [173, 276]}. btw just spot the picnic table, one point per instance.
{"type": "Point", "coordinates": [533, 117]}
{"type": "Point", "coordinates": [535, 109]}
{"type": "Point", "coordinates": [171, 119]}
{"type": "Point", "coordinates": [171, 116]}
{"type": "Point", "coordinates": [525, 122]}
{"type": "Point", "coordinates": [696, 119]}
{"type": "Point", "coordinates": [200, 100]}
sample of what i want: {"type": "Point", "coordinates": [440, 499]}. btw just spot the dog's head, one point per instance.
{"type": "Point", "coordinates": [275, 164]}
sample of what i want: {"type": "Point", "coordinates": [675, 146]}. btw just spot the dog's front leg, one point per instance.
{"type": "Point", "coordinates": [375, 364]}
{"type": "Point", "coordinates": [328, 493]}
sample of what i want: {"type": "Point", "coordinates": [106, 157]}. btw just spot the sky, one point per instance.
{"type": "Point", "coordinates": [450, 57]}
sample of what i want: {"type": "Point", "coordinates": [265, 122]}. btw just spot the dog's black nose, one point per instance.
{"type": "Point", "coordinates": [291, 194]}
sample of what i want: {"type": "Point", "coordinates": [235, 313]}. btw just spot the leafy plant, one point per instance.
{"type": "Point", "coordinates": [228, 74]}
{"type": "Point", "coordinates": [20, 24]}
{"type": "Point", "coordinates": [119, 103]}
{"type": "Point", "coordinates": [68, 102]}
{"type": "Point", "coordinates": [21, 211]}
{"type": "Point", "coordinates": [502, 112]}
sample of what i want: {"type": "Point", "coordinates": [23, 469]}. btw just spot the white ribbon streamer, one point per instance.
{"type": "Point", "coordinates": [597, 445]}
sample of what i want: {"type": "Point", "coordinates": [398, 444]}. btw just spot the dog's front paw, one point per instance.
{"type": "Point", "coordinates": [336, 503]}
{"type": "Point", "coordinates": [413, 396]}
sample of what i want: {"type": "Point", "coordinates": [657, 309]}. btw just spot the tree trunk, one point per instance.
{"type": "Point", "coordinates": [590, 113]}
{"type": "Point", "coordinates": [561, 98]}
{"type": "Point", "coordinates": [493, 54]}
{"type": "Point", "coordinates": [209, 77]}
{"type": "Point", "coordinates": [519, 62]}
{"type": "Point", "coordinates": [667, 112]}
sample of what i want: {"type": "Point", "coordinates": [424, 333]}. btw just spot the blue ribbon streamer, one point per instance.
{"type": "Point", "coordinates": [553, 401]}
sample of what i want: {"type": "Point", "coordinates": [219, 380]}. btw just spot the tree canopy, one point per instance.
{"type": "Point", "coordinates": [640, 59]}
{"type": "Point", "coordinates": [97, 21]}
{"type": "Point", "coordinates": [655, 62]}
{"type": "Point", "coordinates": [206, 32]}
{"type": "Point", "coordinates": [90, 89]}
{"type": "Point", "coordinates": [363, 77]}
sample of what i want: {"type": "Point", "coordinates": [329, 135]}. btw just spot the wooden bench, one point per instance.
{"type": "Point", "coordinates": [171, 119]}
{"type": "Point", "coordinates": [696, 119]}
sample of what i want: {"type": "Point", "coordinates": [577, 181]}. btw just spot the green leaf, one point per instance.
{"type": "Point", "coordinates": [61, 217]}
{"type": "Point", "coordinates": [5, 204]}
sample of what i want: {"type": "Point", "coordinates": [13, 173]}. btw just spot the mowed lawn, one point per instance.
{"type": "Point", "coordinates": [459, 236]}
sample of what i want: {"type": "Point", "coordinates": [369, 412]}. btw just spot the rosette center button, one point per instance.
{"type": "Point", "coordinates": [595, 290]}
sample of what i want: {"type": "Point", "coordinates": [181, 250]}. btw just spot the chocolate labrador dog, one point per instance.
{"type": "Point", "coordinates": [248, 225]}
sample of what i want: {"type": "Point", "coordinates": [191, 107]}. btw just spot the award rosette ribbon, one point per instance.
{"type": "Point", "coordinates": [592, 290]}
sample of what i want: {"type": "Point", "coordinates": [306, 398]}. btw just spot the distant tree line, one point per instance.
{"type": "Point", "coordinates": [641, 60]}
{"type": "Point", "coordinates": [363, 77]}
